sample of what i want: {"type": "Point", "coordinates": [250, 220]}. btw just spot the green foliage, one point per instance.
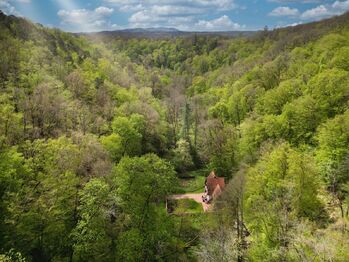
{"type": "Point", "coordinates": [182, 160]}
{"type": "Point", "coordinates": [10, 120]}
{"type": "Point", "coordinates": [91, 240]}
{"type": "Point", "coordinates": [128, 129]}
{"type": "Point", "coordinates": [330, 89]}
{"type": "Point", "coordinates": [340, 60]}
{"type": "Point", "coordinates": [269, 112]}
{"type": "Point", "coordinates": [12, 256]}
{"type": "Point", "coordinates": [143, 182]}
{"type": "Point", "coordinates": [281, 189]}
{"type": "Point", "coordinates": [332, 156]}
{"type": "Point", "coordinates": [190, 206]}
{"type": "Point", "coordinates": [272, 102]}
{"type": "Point", "coordinates": [300, 119]}
{"type": "Point", "coordinates": [114, 145]}
{"type": "Point", "coordinates": [193, 183]}
{"type": "Point", "coordinates": [152, 179]}
{"type": "Point", "coordinates": [12, 172]}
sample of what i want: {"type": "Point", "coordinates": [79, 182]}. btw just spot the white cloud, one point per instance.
{"type": "Point", "coordinates": [173, 7]}
{"type": "Point", "coordinates": [292, 24]}
{"type": "Point", "coordinates": [223, 23]}
{"type": "Point", "coordinates": [182, 14]}
{"type": "Point", "coordinates": [284, 11]}
{"type": "Point", "coordinates": [145, 19]}
{"type": "Point", "coordinates": [8, 8]}
{"type": "Point", "coordinates": [131, 8]}
{"type": "Point", "coordinates": [324, 11]}
{"type": "Point", "coordinates": [168, 10]}
{"type": "Point", "coordinates": [318, 12]}
{"type": "Point", "coordinates": [186, 23]}
{"type": "Point", "coordinates": [104, 11]}
{"type": "Point", "coordinates": [217, 4]}
{"type": "Point", "coordinates": [86, 20]}
{"type": "Point", "coordinates": [296, 1]}
{"type": "Point", "coordinates": [158, 13]}
{"type": "Point", "coordinates": [341, 6]}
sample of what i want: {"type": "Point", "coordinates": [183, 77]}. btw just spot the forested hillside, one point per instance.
{"type": "Point", "coordinates": [96, 132]}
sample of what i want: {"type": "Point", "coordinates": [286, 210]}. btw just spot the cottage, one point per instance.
{"type": "Point", "coordinates": [213, 187]}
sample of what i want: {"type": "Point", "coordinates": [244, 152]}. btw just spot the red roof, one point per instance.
{"type": "Point", "coordinates": [214, 184]}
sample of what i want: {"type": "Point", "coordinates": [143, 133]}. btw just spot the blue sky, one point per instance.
{"type": "Point", "coordinates": [189, 15]}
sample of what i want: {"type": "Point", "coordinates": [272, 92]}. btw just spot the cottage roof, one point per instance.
{"type": "Point", "coordinates": [217, 191]}
{"type": "Point", "coordinates": [214, 184]}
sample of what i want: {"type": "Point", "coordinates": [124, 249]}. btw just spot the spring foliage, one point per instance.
{"type": "Point", "coordinates": [94, 128]}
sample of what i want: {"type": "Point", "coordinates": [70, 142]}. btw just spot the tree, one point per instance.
{"type": "Point", "coordinates": [218, 148]}
{"type": "Point", "coordinates": [305, 177]}
{"type": "Point", "coordinates": [175, 101]}
{"type": "Point", "coordinates": [45, 109]}
{"type": "Point", "coordinates": [341, 58]}
{"type": "Point", "coordinates": [332, 155]}
{"type": "Point", "coordinates": [129, 130]}
{"type": "Point", "coordinates": [10, 121]}
{"type": "Point", "coordinates": [91, 238]}
{"type": "Point", "coordinates": [280, 190]}
{"type": "Point", "coordinates": [230, 208]}
{"type": "Point", "coordinates": [182, 158]}
{"type": "Point", "coordinates": [143, 183]}
{"type": "Point", "coordinates": [76, 84]}
{"type": "Point", "coordinates": [42, 211]}
{"type": "Point", "coordinates": [330, 88]}
{"type": "Point", "coordinates": [113, 144]}
{"type": "Point", "coordinates": [300, 119]}
{"type": "Point", "coordinates": [273, 100]}
{"type": "Point", "coordinates": [12, 173]}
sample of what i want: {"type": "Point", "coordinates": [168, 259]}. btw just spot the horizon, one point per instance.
{"type": "Point", "coordinates": [158, 29]}
{"type": "Point", "coordinates": [187, 16]}
{"type": "Point", "coordinates": [178, 135]}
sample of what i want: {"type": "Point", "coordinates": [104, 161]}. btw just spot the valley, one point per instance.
{"type": "Point", "coordinates": [108, 139]}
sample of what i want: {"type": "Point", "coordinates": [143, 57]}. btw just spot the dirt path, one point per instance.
{"type": "Point", "coordinates": [196, 197]}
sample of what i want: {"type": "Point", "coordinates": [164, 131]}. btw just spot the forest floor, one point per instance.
{"type": "Point", "coordinates": [196, 197]}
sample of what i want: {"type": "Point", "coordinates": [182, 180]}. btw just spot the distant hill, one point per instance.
{"type": "Point", "coordinates": [163, 32]}
{"type": "Point", "coordinates": [151, 30]}
{"type": "Point", "coordinates": [307, 31]}
{"type": "Point", "coordinates": [94, 137]}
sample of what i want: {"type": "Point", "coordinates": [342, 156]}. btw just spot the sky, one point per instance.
{"type": "Point", "coordinates": [186, 15]}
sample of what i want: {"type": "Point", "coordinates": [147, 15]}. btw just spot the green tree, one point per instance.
{"type": "Point", "coordinates": [114, 145]}
{"type": "Point", "coordinates": [143, 184]}
{"type": "Point", "coordinates": [12, 174]}
{"type": "Point", "coordinates": [129, 131]}
{"type": "Point", "coordinates": [10, 121]}
{"type": "Point", "coordinates": [91, 238]}
{"type": "Point", "coordinates": [332, 154]}
{"type": "Point", "coordinates": [182, 158]}
{"type": "Point", "coordinates": [273, 100]}
{"type": "Point", "coordinates": [330, 89]}
{"type": "Point", "coordinates": [300, 120]}
{"type": "Point", "coordinates": [280, 190]}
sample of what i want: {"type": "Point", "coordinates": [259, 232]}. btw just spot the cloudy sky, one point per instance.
{"type": "Point", "coordinates": [189, 15]}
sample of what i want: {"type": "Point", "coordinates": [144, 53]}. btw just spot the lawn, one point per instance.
{"type": "Point", "coordinates": [193, 182]}
{"type": "Point", "coordinates": [187, 206]}
{"type": "Point", "coordinates": [193, 185]}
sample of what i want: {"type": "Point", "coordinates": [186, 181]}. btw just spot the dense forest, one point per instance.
{"type": "Point", "coordinates": [97, 130]}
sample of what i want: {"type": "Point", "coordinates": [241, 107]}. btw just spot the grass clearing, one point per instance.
{"type": "Point", "coordinates": [193, 185]}
{"type": "Point", "coordinates": [187, 206]}
{"type": "Point", "coordinates": [192, 182]}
